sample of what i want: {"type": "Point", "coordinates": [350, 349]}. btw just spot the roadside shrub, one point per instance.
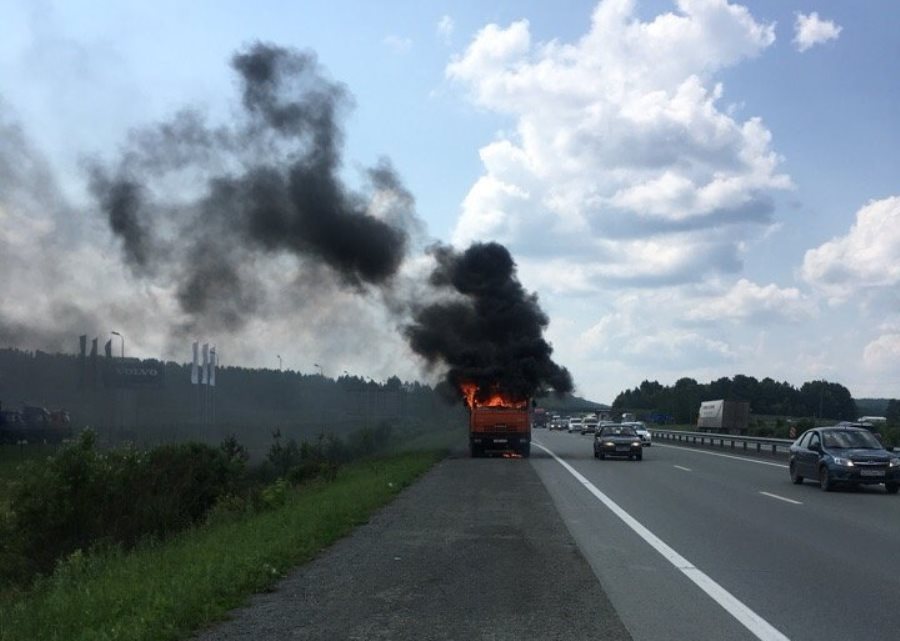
{"type": "Point", "coordinates": [283, 456]}
{"type": "Point", "coordinates": [310, 470]}
{"type": "Point", "coordinates": [274, 495]}
{"type": "Point", "coordinates": [228, 508]}
{"type": "Point", "coordinates": [81, 498]}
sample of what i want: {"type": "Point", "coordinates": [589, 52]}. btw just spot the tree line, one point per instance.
{"type": "Point", "coordinates": [250, 403]}
{"type": "Point", "coordinates": [681, 401]}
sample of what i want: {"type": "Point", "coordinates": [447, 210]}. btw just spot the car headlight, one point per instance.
{"type": "Point", "coordinates": [843, 462]}
{"type": "Point", "coordinates": [895, 462]}
{"type": "Point", "coordinates": [635, 444]}
{"type": "Point", "coordinates": [609, 444]}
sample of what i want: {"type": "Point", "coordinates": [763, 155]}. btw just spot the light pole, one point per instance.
{"type": "Point", "coordinates": [123, 342]}
{"type": "Point", "coordinates": [321, 371]}
{"type": "Point", "coordinates": [279, 361]}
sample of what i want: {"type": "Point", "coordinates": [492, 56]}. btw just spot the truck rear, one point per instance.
{"type": "Point", "coordinates": [499, 429]}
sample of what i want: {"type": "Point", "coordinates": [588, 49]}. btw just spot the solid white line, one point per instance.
{"type": "Point", "coordinates": [736, 458]}
{"type": "Point", "coordinates": [758, 626]}
{"type": "Point", "coordinates": [781, 498]}
{"type": "Point", "coordinates": [686, 469]}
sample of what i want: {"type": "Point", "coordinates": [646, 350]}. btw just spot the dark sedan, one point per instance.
{"type": "Point", "coordinates": [618, 440]}
{"type": "Point", "coordinates": [843, 455]}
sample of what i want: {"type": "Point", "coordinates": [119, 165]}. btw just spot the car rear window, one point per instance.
{"type": "Point", "coordinates": [618, 431]}
{"type": "Point", "coordinates": [848, 439]}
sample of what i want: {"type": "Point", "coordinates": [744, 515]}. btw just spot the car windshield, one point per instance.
{"type": "Point", "coordinates": [618, 431]}
{"type": "Point", "coordinates": [850, 439]}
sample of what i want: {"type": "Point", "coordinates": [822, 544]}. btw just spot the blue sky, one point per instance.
{"type": "Point", "coordinates": [689, 193]}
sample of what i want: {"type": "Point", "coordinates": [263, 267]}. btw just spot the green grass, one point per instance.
{"type": "Point", "coordinates": [165, 591]}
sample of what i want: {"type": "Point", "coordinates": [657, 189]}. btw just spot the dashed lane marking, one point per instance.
{"type": "Point", "coordinates": [759, 627]}
{"type": "Point", "coordinates": [781, 498]}
{"type": "Point", "coordinates": [737, 458]}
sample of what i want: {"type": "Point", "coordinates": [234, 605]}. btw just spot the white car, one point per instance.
{"type": "Point", "coordinates": [575, 424]}
{"type": "Point", "coordinates": [642, 431]}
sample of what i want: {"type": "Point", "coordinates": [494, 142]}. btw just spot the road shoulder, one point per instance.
{"type": "Point", "coordinates": [474, 550]}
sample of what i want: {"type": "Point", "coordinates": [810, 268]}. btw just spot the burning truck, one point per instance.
{"type": "Point", "coordinates": [497, 424]}
{"type": "Point", "coordinates": [488, 337]}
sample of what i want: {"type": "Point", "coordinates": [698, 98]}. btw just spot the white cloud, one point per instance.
{"type": "Point", "coordinates": [883, 353]}
{"type": "Point", "coordinates": [747, 301]}
{"type": "Point", "coordinates": [445, 27]}
{"type": "Point", "coordinates": [867, 257]}
{"type": "Point", "coordinates": [628, 337]}
{"type": "Point", "coordinates": [621, 159]}
{"type": "Point", "coordinates": [809, 31]}
{"type": "Point", "coordinates": [398, 44]}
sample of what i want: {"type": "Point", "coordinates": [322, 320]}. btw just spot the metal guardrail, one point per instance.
{"type": "Point", "coordinates": [747, 443]}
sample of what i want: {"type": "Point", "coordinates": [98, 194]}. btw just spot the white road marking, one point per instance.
{"type": "Point", "coordinates": [781, 498]}
{"type": "Point", "coordinates": [758, 626]}
{"type": "Point", "coordinates": [737, 458]}
{"type": "Point", "coordinates": [686, 469]}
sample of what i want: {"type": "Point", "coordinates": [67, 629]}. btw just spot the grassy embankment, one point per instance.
{"type": "Point", "coordinates": [166, 590]}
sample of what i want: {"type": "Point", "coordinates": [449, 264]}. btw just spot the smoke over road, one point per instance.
{"type": "Point", "coordinates": [222, 226]}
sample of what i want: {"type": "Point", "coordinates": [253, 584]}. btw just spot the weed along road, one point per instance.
{"type": "Point", "coordinates": [474, 550]}
{"type": "Point", "coordinates": [695, 545]}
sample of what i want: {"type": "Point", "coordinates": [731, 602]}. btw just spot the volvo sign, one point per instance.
{"type": "Point", "coordinates": [134, 373]}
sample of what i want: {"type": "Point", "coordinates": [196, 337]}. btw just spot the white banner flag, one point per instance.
{"type": "Point", "coordinates": [213, 361]}
{"type": "Point", "coordinates": [204, 370]}
{"type": "Point", "coordinates": [194, 372]}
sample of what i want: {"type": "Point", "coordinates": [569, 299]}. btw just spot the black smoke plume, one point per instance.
{"type": "Point", "coordinates": [251, 221]}
{"type": "Point", "coordinates": [491, 332]}
{"type": "Point", "coordinates": [265, 186]}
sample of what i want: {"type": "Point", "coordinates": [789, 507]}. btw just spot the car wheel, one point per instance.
{"type": "Point", "coordinates": [825, 481]}
{"type": "Point", "coordinates": [596, 455]}
{"type": "Point", "coordinates": [892, 487]}
{"type": "Point", "coordinates": [602, 456]}
{"type": "Point", "coordinates": [796, 478]}
{"type": "Point", "coordinates": [639, 457]}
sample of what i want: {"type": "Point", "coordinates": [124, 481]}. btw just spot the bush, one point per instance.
{"type": "Point", "coordinates": [81, 498]}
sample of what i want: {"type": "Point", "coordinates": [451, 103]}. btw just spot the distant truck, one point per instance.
{"type": "Point", "coordinates": [500, 429]}
{"type": "Point", "coordinates": [726, 417]}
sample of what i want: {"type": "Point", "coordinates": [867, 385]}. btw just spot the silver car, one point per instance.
{"type": "Point", "coordinates": [642, 431]}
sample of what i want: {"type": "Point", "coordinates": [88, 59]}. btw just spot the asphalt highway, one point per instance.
{"type": "Point", "coordinates": [473, 550]}
{"type": "Point", "coordinates": [726, 547]}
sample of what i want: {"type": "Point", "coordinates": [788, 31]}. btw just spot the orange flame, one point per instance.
{"type": "Point", "coordinates": [496, 399]}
